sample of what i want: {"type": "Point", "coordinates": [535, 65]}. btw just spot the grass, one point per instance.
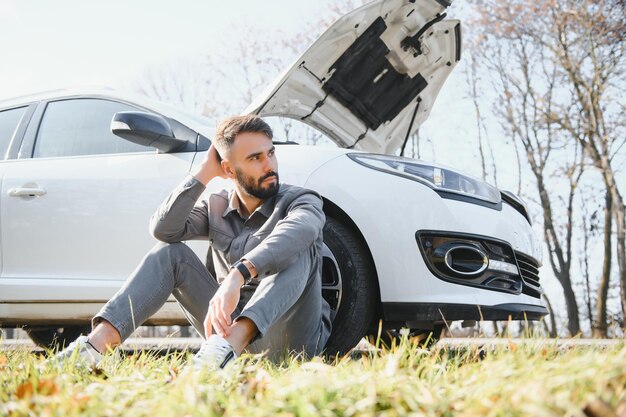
{"type": "Point", "coordinates": [531, 379]}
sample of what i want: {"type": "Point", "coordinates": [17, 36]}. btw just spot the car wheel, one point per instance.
{"type": "Point", "coordinates": [56, 337]}
{"type": "Point", "coordinates": [421, 337]}
{"type": "Point", "coordinates": [349, 285]}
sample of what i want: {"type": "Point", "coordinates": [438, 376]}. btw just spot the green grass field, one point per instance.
{"type": "Point", "coordinates": [531, 379]}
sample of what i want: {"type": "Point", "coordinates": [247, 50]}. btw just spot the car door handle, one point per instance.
{"type": "Point", "coordinates": [26, 192]}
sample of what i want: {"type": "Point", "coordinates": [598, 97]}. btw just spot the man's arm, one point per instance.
{"type": "Point", "coordinates": [178, 218]}
{"type": "Point", "coordinates": [293, 234]}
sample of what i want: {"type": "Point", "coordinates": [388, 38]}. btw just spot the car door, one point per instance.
{"type": "Point", "coordinates": [75, 215]}
{"type": "Point", "coordinates": [10, 120]}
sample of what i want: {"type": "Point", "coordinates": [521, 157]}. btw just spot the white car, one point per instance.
{"type": "Point", "coordinates": [409, 244]}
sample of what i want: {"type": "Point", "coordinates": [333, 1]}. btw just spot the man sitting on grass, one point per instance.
{"type": "Point", "coordinates": [261, 287]}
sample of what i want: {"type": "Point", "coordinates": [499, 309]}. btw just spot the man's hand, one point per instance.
{"type": "Point", "coordinates": [223, 304]}
{"type": "Point", "coordinates": [210, 167]}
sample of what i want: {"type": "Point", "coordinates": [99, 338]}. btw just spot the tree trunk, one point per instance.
{"type": "Point", "coordinates": [584, 265]}
{"type": "Point", "coordinates": [618, 208]}
{"type": "Point", "coordinates": [553, 332]}
{"type": "Point", "coordinates": [496, 330]}
{"type": "Point", "coordinates": [184, 331]}
{"type": "Point", "coordinates": [560, 267]}
{"type": "Point", "coordinates": [600, 328]}
{"type": "Point", "coordinates": [620, 221]}
{"type": "Point", "coordinates": [573, 324]}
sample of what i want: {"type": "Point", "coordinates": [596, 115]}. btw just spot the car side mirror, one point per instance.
{"type": "Point", "coordinates": [146, 129]}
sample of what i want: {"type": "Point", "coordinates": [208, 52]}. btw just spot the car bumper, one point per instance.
{"type": "Point", "coordinates": [429, 312]}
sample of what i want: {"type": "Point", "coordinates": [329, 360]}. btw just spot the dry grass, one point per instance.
{"type": "Point", "coordinates": [533, 379]}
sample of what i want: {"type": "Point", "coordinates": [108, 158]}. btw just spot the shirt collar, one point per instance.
{"type": "Point", "coordinates": [233, 204]}
{"type": "Point", "coordinates": [266, 208]}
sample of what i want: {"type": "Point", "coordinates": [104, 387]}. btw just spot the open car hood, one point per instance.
{"type": "Point", "coordinates": [372, 77]}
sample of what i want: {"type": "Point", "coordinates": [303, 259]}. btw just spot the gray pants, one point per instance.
{"type": "Point", "coordinates": [287, 308]}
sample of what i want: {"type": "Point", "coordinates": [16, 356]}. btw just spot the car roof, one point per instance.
{"type": "Point", "coordinates": [195, 121]}
{"type": "Point", "coordinates": [61, 93]}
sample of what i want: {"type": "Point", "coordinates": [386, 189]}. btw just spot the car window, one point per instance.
{"type": "Point", "coordinates": [82, 127]}
{"type": "Point", "coordinates": [9, 119]}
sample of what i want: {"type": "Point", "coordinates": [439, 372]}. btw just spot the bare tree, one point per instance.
{"type": "Point", "coordinates": [516, 63]}
{"type": "Point", "coordinates": [472, 79]}
{"type": "Point", "coordinates": [561, 60]}
{"type": "Point", "coordinates": [590, 50]}
{"type": "Point", "coordinates": [184, 84]}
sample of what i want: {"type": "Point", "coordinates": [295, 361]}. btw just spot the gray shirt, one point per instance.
{"type": "Point", "coordinates": [272, 237]}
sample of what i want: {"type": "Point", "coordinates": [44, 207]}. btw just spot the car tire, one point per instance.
{"type": "Point", "coordinates": [56, 337]}
{"type": "Point", "coordinates": [425, 338]}
{"type": "Point", "coordinates": [350, 286]}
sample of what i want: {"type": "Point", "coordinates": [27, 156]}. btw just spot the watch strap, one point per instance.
{"type": "Point", "coordinates": [245, 272]}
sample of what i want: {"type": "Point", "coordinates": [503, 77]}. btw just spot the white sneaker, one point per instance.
{"type": "Point", "coordinates": [79, 352]}
{"type": "Point", "coordinates": [215, 353]}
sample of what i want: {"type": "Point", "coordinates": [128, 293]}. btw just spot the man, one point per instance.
{"type": "Point", "coordinates": [265, 245]}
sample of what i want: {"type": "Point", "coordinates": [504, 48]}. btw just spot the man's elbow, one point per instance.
{"type": "Point", "coordinates": [311, 230]}
{"type": "Point", "coordinates": [163, 235]}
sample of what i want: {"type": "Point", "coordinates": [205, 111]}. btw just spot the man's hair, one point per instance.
{"type": "Point", "coordinates": [229, 128]}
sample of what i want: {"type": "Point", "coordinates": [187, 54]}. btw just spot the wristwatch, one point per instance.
{"type": "Point", "coordinates": [245, 272]}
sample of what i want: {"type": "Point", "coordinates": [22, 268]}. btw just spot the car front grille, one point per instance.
{"type": "Point", "coordinates": [529, 269]}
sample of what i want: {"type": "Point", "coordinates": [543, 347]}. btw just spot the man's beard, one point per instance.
{"type": "Point", "coordinates": [255, 187]}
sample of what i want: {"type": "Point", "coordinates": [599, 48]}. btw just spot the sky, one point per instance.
{"type": "Point", "coordinates": [46, 45]}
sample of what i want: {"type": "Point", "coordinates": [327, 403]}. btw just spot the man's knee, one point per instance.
{"type": "Point", "coordinates": [171, 250]}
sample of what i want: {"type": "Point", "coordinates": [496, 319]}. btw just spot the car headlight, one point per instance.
{"type": "Point", "coordinates": [443, 180]}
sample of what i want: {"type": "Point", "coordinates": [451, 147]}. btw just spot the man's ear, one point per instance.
{"type": "Point", "coordinates": [228, 168]}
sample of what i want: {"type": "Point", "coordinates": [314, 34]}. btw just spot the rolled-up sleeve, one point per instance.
{"type": "Point", "coordinates": [299, 229]}
{"type": "Point", "coordinates": [181, 217]}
